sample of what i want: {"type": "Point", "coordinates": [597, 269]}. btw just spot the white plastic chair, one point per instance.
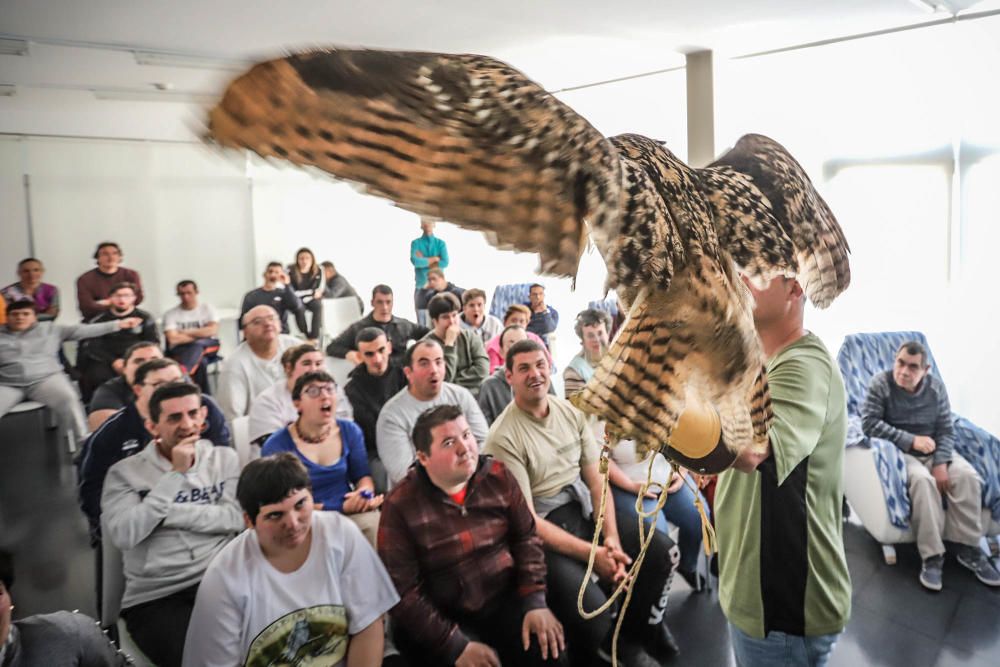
{"type": "Point", "coordinates": [246, 451]}
{"type": "Point", "coordinates": [337, 315]}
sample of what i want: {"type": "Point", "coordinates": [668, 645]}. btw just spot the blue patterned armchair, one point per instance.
{"type": "Point", "coordinates": [505, 296]}
{"type": "Point", "coordinates": [874, 470]}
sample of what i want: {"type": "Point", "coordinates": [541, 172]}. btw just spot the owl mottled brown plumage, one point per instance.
{"type": "Point", "coordinates": [470, 140]}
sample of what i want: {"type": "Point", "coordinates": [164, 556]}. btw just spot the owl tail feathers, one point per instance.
{"type": "Point", "coordinates": [644, 391]}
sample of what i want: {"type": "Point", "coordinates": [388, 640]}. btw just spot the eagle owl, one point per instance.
{"type": "Point", "coordinates": [470, 140]}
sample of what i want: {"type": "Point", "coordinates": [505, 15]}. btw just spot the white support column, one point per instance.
{"type": "Point", "coordinates": [700, 108]}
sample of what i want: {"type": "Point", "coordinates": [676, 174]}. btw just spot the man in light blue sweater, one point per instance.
{"type": "Point", "coordinates": [909, 407]}
{"type": "Point", "coordinates": [29, 362]}
{"type": "Point", "coordinates": [170, 509]}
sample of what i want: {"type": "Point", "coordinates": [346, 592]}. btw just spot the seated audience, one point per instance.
{"type": "Point", "coordinates": [476, 319]}
{"type": "Point", "coordinates": [305, 278]}
{"type": "Point", "coordinates": [170, 509]}
{"type": "Point", "coordinates": [550, 449]}
{"type": "Point", "coordinates": [373, 382]}
{"type": "Point", "coordinates": [909, 407]}
{"type": "Point", "coordinates": [495, 394]}
{"type": "Point", "coordinates": [116, 393]}
{"type": "Point", "coordinates": [30, 286]}
{"type": "Point", "coordinates": [191, 330]}
{"type": "Point", "coordinates": [60, 639]}
{"type": "Point", "coordinates": [516, 315]}
{"type": "Point", "coordinates": [273, 408]}
{"type": "Point", "coordinates": [335, 285]}
{"type": "Point", "coordinates": [94, 287]}
{"type": "Point", "coordinates": [593, 328]}
{"type": "Point", "coordinates": [544, 318]}
{"type": "Point", "coordinates": [30, 368]}
{"type": "Point", "coordinates": [275, 292]}
{"type": "Point", "coordinates": [425, 370]}
{"type": "Point", "coordinates": [398, 330]}
{"type": "Point", "coordinates": [299, 587]}
{"type": "Point", "coordinates": [332, 450]}
{"type": "Point", "coordinates": [255, 364]}
{"type": "Point", "coordinates": [436, 284]}
{"type": "Point", "coordinates": [469, 601]}
{"type": "Point", "coordinates": [627, 472]}
{"type": "Point", "coordinates": [125, 434]}
{"type": "Point", "coordinates": [101, 358]}
{"type": "Point", "coordinates": [465, 359]}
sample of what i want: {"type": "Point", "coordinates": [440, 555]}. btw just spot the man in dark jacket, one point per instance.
{"type": "Point", "coordinates": [371, 384]}
{"type": "Point", "coordinates": [468, 600]}
{"type": "Point", "coordinates": [397, 330]}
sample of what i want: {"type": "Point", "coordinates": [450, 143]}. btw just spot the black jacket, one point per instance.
{"type": "Point", "coordinates": [399, 331]}
{"type": "Point", "coordinates": [368, 393]}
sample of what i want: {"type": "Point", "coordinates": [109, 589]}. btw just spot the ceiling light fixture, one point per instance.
{"type": "Point", "coordinates": [165, 59]}
{"type": "Point", "coordinates": [14, 47]}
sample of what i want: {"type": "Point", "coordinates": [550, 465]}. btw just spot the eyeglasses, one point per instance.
{"type": "Point", "coordinates": [316, 390]}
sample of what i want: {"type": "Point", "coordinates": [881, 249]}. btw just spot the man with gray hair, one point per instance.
{"type": "Point", "coordinates": [909, 407]}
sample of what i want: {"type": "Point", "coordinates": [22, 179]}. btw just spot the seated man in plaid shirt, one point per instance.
{"type": "Point", "coordinates": [479, 599]}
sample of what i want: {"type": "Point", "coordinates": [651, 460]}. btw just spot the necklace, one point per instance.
{"type": "Point", "coordinates": [324, 433]}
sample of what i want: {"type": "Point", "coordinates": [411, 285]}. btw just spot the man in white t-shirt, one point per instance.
{"type": "Point", "coordinates": [298, 585]}
{"type": "Point", "coordinates": [256, 364]}
{"type": "Point", "coordinates": [191, 329]}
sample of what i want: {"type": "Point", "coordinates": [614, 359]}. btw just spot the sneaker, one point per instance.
{"type": "Point", "coordinates": [660, 644]}
{"type": "Point", "coordinates": [930, 573]}
{"type": "Point", "coordinates": [974, 559]}
{"type": "Point", "coordinates": [693, 579]}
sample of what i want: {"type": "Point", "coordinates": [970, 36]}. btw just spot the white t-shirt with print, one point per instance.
{"type": "Point", "coordinates": [178, 319]}
{"type": "Point", "coordinates": [249, 613]}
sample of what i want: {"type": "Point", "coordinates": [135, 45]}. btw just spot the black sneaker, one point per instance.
{"type": "Point", "coordinates": [660, 644]}
{"type": "Point", "coordinates": [693, 579]}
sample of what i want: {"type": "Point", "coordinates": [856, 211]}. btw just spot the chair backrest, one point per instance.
{"type": "Point", "coordinates": [505, 296]}
{"type": "Point", "coordinates": [112, 580]}
{"type": "Point", "coordinates": [865, 354]}
{"type": "Point", "coordinates": [241, 439]}
{"type": "Point", "coordinates": [338, 314]}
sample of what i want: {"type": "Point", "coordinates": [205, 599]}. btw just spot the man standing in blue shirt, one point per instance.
{"type": "Point", "coordinates": [426, 252]}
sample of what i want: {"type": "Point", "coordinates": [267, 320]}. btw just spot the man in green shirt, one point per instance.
{"type": "Point", "coordinates": [784, 584]}
{"type": "Point", "coordinates": [465, 359]}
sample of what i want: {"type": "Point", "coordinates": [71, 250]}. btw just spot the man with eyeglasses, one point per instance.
{"type": "Point", "coordinates": [256, 364]}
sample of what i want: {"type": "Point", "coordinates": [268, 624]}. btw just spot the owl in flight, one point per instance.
{"type": "Point", "coordinates": [469, 140]}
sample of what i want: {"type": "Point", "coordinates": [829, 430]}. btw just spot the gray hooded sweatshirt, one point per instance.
{"type": "Point", "coordinates": [30, 356]}
{"type": "Point", "coordinates": [169, 525]}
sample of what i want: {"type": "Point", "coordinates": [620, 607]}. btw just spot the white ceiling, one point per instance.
{"type": "Point", "coordinates": [82, 46]}
{"type": "Point", "coordinates": [558, 42]}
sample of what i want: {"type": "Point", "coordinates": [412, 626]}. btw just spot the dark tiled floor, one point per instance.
{"type": "Point", "coordinates": [895, 622]}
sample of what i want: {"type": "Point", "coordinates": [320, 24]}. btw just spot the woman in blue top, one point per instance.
{"type": "Point", "coordinates": [332, 450]}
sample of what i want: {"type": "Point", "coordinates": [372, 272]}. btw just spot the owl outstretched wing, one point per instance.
{"type": "Point", "coordinates": [461, 138]}
{"type": "Point", "coordinates": [773, 221]}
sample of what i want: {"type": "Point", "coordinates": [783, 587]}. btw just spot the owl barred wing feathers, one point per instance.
{"type": "Point", "coordinates": [470, 140]}
{"type": "Point", "coordinates": [462, 138]}
{"type": "Point", "coordinates": [820, 260]}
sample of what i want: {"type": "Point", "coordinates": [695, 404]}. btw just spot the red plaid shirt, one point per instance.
{"type": "Point", "coordinates": [448, 559]}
